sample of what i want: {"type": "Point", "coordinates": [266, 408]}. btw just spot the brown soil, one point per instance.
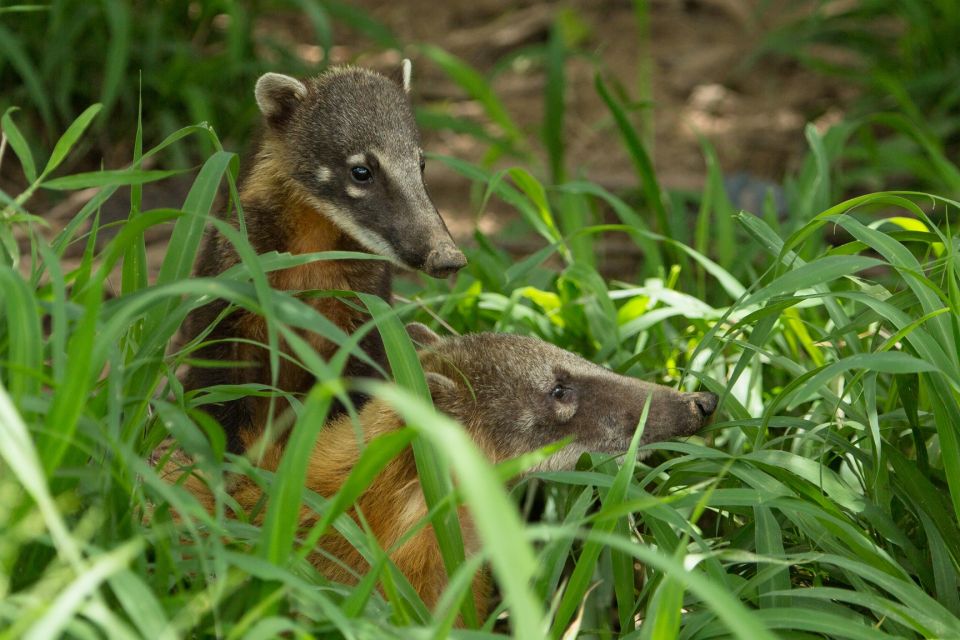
{"type": "Point", "coordinates": [700, 85]}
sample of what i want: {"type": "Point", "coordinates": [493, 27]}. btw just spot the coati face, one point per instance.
{"type": "Point", "coordinates": [516, 394]}
{"type": "Point", "coordinates": [351, 143]}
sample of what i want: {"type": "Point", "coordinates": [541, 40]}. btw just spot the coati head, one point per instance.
{"type": "Point", "coordinates": [349, 140]}
{"type": "Point", "coordinates": [515, 394]}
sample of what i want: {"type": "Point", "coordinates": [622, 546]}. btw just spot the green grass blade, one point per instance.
{"type": "Point", "coordinates": [22, 366]}
{"type": "Point", "coordinates": [120, 177]}
{"type": "Point", "coordinates": [494, 516]}
{"type": "Point", "coordinates": [406, 370]}
{"type": "Point", "coordinates": [19, 145]}
{"type": "Point", "coordinates": [69, 139]}
{"type": "Point", "coordinates": [283, 512]}
{"type": "Point", "coordinates": [553, 114]}
{"type": "Point", "coordinates": [641, 161]}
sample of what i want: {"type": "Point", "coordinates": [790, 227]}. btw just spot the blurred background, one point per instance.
{"type": "Point", "coordinates": [498, 83]}
{"type": "Point", "coordinates": [680, 190]}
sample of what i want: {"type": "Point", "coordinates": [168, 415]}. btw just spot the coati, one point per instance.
{"type": "Point", "coordinates": [513, 394]}
{"type": "Point", "coordinates": [340, 168]}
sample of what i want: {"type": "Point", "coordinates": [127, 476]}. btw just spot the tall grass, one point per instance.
{"type": "Point", "coordinates": [902, 56]}
{"type": "Point", "coordinates": [194, 61]}
{"type": "Point", "coordinates": [823, 502]}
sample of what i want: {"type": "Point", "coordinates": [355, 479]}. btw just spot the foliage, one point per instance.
{"type": "Point", "coordinates": [903, 55]}
{"type": "Point", "coordinates": [195, 61]}
{"type": "Point", "coordinates": [824, 502]}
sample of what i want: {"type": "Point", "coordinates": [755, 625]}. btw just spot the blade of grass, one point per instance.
{"type": "Point", "coordinates": [494, 516]}
{"type": "Point", "coordinates": [19, 145]}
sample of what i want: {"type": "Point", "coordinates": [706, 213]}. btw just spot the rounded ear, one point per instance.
{"type": "Point", "coordinates": [278, 96]}
{"type": "Point", "coordinates": [440, 385]}
{"type": "Point", "coordinates": [422, 334]}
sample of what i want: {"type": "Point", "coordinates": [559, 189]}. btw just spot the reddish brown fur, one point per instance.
{"type": "Point", "coordinates": [504, 390]}
{"type": "Point", "coordinates": [391, 506]}
{"type": "Point", "coordinates": [280, 217]}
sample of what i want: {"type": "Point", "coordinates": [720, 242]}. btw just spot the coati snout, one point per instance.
{"type": "Point", "coordinates": [516, 394]}
{"type": "Point", "coordinates": [349, 139]}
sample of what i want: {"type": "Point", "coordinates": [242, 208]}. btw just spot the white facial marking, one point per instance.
{"type": "Point", "coordinates": [372, 240]}
{"type": "Point", "coordinates": [356, 159]}
{"type": "Point", "coordinates": [355, 192]}
{"type": "Point", "coordinates": [324, 174]}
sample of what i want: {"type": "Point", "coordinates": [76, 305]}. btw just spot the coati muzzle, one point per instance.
{"type": "Point", "coordinates": [444, 261]}
{"type": "Point", "coordinates": [518, 393]}
{"type": "Point", "coordinates": [672, 413]}
{"type": "Point", "coordinates": [419, 239]}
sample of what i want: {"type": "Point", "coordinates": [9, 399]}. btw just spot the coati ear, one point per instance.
{"type": "Point", "coordinates": [422, 334]}
{"type": "Point", "coordinates": [440, 386]}
{"type": "Point", "coordinates": [277, 96]}
{"type": "Point", "coordinates": [406, 70]}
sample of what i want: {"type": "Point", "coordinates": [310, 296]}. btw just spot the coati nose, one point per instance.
{"type": "Point", "coordinates": [706, 402]}
{"type": "Point", "coordinates": [444, 261]}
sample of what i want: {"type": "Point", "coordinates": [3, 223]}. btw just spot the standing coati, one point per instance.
{"type": "Point", "coordinates": [513, 395]}
{"type": "Point", "coordinates": [339, 169]}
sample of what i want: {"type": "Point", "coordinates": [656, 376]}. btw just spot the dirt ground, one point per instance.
{"type": "Point", "coordinates": [700, 85]}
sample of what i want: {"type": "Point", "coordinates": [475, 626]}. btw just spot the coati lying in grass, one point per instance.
{"type": "Point", "coordinates": [340, 168]}
{"type": "Point", "coordinates": [513, 395]}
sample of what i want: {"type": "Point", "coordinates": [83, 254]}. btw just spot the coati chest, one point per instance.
{"type": "Point", "coordinates": [297, 228]}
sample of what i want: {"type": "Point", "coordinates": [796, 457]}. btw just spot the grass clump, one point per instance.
{"type": "Point", "coordinates": [822, 504]}
{"type": "Point", "coordinates": [901, 55]}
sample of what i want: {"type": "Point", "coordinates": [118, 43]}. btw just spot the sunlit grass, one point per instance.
{"type": "Point", "coordinates": [823, 502]}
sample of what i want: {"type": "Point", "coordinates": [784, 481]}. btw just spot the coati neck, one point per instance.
{"type": "Point", "coordinates": [282, 217]}
{"type": "Point", "coordinates": [391, 506]}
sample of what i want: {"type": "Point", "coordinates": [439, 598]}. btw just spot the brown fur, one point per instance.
{"type": "Point", "coordinates": [391, 506]}
{"type": "Point", "coordinates": [280, 217]}
{"type": "Point", "coordinates": [303, 195]}
{"type": "Point", "coordinates": [501, 388]}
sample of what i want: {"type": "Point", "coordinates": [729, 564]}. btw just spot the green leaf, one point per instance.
{"type": "Point", "coordinates": [283, 511]}
{"type": "Point", "coordinates": [70, 138]}
{"type": "Point", "coordinates": [119, 177]}
{"type": "Point", "coordinates": [812, 274]}
{"type": "Point", "coordinates": [19, 145]}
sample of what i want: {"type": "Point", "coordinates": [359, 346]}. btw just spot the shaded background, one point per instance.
{"type": "Point", "coordinates": [745, 75]}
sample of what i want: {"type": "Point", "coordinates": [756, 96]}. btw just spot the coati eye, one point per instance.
{"type": "Point", "coordinates": [361, 174]}
{"type": "Point", "coordinates": [559, 392]}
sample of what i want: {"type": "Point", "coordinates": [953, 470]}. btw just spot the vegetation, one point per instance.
{"type": "Point", "coordinates": [823, 503]}
{"type": "Point", "coordinates": [901, 54]}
